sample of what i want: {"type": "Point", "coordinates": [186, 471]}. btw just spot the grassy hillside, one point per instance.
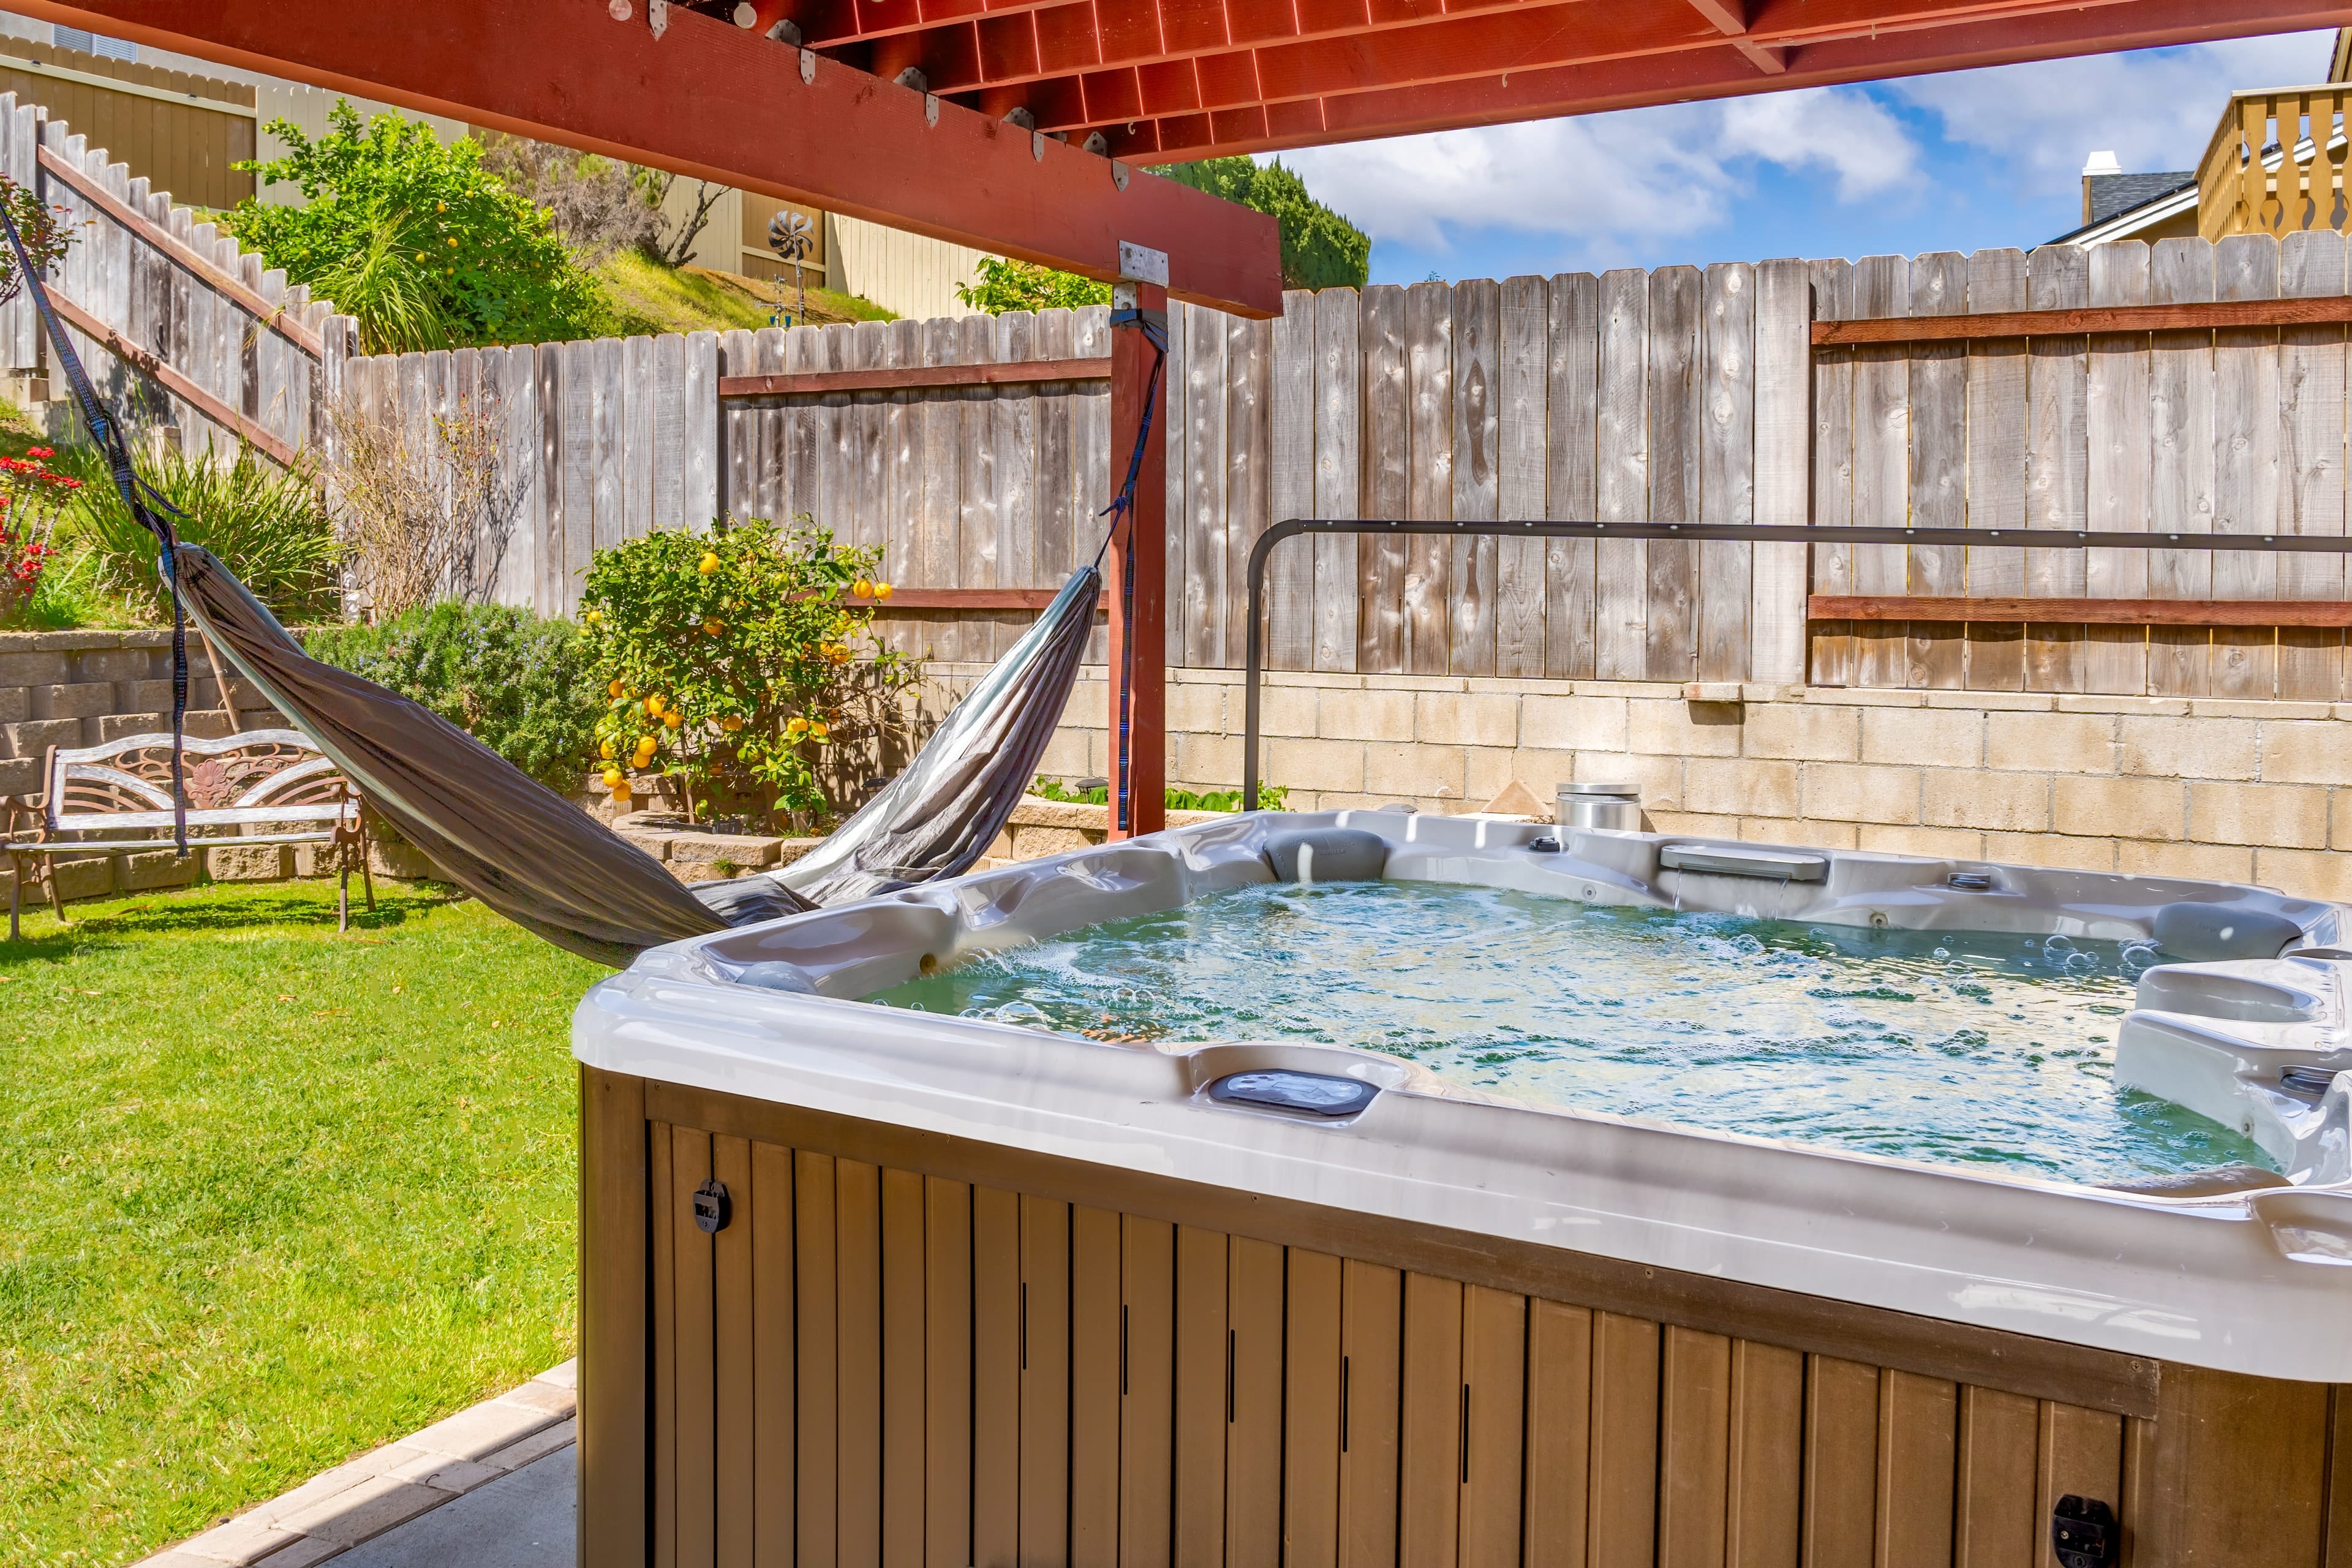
{"type": "Point", "coordinates": [649, 298]}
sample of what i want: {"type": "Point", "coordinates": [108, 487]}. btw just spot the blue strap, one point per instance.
{"type": "Point", "coordinates": [136, 493]}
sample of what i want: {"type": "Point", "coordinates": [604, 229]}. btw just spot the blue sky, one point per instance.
{"type": "Point", "coordinates": [1957, 162]}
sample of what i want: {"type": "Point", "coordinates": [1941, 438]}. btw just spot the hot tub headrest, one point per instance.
{"type": "Point", "coordinates": [2204, 933]}
{"type": "Point", "coordinates": [1327, 854]}
{"type": "Point", "coordinates": [774, 975]}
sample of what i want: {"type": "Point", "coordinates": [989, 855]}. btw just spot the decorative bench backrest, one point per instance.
{"type": "Point", "coordinates": [262, 776]}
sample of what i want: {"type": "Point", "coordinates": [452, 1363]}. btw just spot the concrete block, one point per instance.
{"type": "Point", "coordinates": [85, 699]}
{"type": "Point", "coordinates": [737, 848]}
{"type": "Point", "coordinates": [1468, 719]}
{"type": "Point", "coordinates": [1940, 843]}
{"type": "Point", "coordinates": [76, 878]}
{"type": "Point", "coordinates": [1576, 723]}
{"type": "Point", "coordinates": [2050, 743]}
{"type": "Point", "coordinates": [2053, 849]}
{"type": "Point", "coordinates": [2286, 817]}
{"type": "Point", "coordinates": [1742, 787]}
{"type": "Point", "coordinates": [1066, 756]}
{"type": "Point", "coordinates": [2158, 707]}
{"type": "Point", "coordinates": [2305, 873]}
{"type": "Point", "coordinates": [251, 863]}
{"type": "Point", "coordinates": [1282, 711]}
{"type": "Point", "coordinates": [20, 776]}
{"type": "Point", "coordinates": [2188, 748]}
{"type": "Point", "coordinates": [1486, 772]}
{"type": "Point", "coordinates": [1802, 731]}
{"type": "Point", "coordinates": [1917, 737]}
{"type": "Point", "coordinates": [1199, 708]}
{"type": "Point", "coordinates": [114, 663]}
{"type": "Point", "coordinates": [113, 727]}
{"type": "Point", "coordinates": [1697, 825]}
{"type": "Point", "coordinates": [2196, 862]}
{"type": "Point", "coordinates": [1861, 792]}
{"type": "Point", "coordinates": [2242, 708]}
{"type": "Point", "coordinates": [1865, 697]}
{"type": "Point", "coordinates": [403, 862]}
{"type": "Point", "coordinates": [15, 704]}
{"type": "Point", "coordinates": [2120, 808]}
{"type": "Point", "coordinates": [2307, 751]}
{"type": "Point", "coordinates": [1365, 716]}
{"type": "Point", "coordinates": [1315, 765]}
{"type": "Point", "coordinates": [371, 1507]}
{"type": "Point", "coordinates": [1799, 833]}
{"type": "Point", "coordinates": [1422, 771]}
{"type": "Point", "coordinates": [1995, 701]}
{"type": "Point", "coordinates": [33, 669]}
{"type": "Point", "coordinates": [156, 869]}
{"type": "Point", "coordinates": [1214, 761]}
{"type": "Point", "coordinates": [1683, 729]}
{"type": "Point", "coordinates": [2009, 802]}
{"type": "Point", "coordinates": [1660, 779]}
{"type": "Point", "coordinates": [35, 736]}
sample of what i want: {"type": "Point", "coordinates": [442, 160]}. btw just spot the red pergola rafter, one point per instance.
{"type": "Point", "coordinates": [1190, 79]}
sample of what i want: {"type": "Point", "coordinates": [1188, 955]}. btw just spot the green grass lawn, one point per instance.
{"type": "Point", "coordinates": [269, 1197]}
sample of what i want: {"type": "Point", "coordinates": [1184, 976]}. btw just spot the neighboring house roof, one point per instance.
{"type": "Point", "coordinates": [2121, 206]}
{"type": "Point", "coordinates": [2113, 195]}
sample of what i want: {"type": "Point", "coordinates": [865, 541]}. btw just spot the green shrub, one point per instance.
{"type": "Point", "coordinates": [419, 241]}
{"type": "Point", "coordinates": [519, 684]}
{"type": "Point", "coordinates": [733, 662]}
{"type": "Point", "coordinates": [268, 525]}
{"type": "Point", "coordinates": [1270, 797]}
{"type": "Point", "coordinates": [1009, 285]}
{"type": "Point", "coordinates": [1321, 250]}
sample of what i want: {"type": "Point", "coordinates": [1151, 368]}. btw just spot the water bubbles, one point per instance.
{"type": "Point", "coordinates": [1941, 955]}
{"type": "Point", "coordinates": [2137, 956]}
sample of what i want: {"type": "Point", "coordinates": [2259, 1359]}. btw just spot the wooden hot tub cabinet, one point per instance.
{"type": "Point", "coordinates": [911, 1350]}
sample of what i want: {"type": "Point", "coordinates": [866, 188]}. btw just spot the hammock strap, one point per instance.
{"type": "Point", "coordinates": [1122, 511]}
{"type": "Point", "coordinates": [136, 492]}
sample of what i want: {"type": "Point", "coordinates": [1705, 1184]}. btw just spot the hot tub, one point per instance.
{"type": "Point", "coordinates": [867, 1285]}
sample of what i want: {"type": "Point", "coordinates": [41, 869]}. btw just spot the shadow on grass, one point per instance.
{"type": "Point", "coordinates": [208, 910]}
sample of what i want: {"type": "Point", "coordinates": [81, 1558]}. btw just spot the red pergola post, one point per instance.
{"type": "Point", "coordinates": [1138, 545]}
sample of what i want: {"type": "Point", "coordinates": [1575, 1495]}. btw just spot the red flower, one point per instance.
{"type": "Point", "coordinates": [40, 452]}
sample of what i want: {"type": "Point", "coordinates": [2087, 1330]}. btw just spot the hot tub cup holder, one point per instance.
{"type": "Point", "coordinates": [2307, 1225]}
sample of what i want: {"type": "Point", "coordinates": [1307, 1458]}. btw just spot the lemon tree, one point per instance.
{"type": "Point", "coordinates": [732, 661]}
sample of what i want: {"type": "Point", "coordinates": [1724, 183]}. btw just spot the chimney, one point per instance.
{"type": "Point", "coordinates": [2102, 164]}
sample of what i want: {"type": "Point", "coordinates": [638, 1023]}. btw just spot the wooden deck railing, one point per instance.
{"type": "Point", "coordinates": [2275, 163]}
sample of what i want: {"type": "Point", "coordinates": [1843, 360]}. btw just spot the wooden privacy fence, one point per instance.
{"type": "Point", "coordinates": [176, 323]}
{"type": "Point", "coordinates": [2190, 387]}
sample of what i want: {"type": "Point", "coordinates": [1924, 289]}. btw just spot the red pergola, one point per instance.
{"type": "Point", "coordinates": [1015, 126]}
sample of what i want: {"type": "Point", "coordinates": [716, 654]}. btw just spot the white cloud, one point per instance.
{"type": "Point", "coordinates": [1603, 180]}
{"type": "Point", "coordinates": [1839, 128]}
{"type": "Point", "coordinates": [1644, 172]}
{"type": "Point", "coordinates": [2155, 108]}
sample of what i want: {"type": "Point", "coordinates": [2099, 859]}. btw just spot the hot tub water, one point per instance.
{"type": "Point", "coordinates": [1956, 1048]}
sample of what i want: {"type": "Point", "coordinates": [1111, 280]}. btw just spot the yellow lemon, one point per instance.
{"type": "Point", "coordinates": [818, 730]}
{"type": "Point", "coordinates": [881, 589]}
{"type": "Point", "coordinates": [796, 726]}
{"type": "Point", "coordinates": [605, 751]}
{"type": "Point", "coordinates": [731, 723]}
{"type": "Point", "coordinates": [711, 629]}
{"type": "Point", "coordinates": [617, 689]}
{"type": "Point", "coordinates": [613, 778]}
{"type": "Point", "coordinates": [709, 564]}
{"type": "Point", "coordinates": [655, 704]}
{"type": "Point", "coordinates": [671, 720]}
{"type": "Point", "coordinates": [862, 589]}
{"type": "Point", "coordinates": [592, 616]}
{"type": "Point", "coordinates": [622, 791]}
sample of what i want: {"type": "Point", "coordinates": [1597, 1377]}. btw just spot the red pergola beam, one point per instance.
{"type": "Point", "coordinates": [716, 101]}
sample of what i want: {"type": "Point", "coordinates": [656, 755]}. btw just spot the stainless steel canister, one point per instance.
{"type": "Point", "coordinates": [1614, 806]}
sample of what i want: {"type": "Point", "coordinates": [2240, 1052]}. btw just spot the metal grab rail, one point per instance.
{"type": "Point", "coordinates": [1756, 532]}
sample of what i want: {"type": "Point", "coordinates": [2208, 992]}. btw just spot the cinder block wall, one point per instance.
{"type": "Point", "coordinates": [2239, 791]}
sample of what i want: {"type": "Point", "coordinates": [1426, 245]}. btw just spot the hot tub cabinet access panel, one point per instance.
{"type": "Point", "coordinates": [908, 1350]}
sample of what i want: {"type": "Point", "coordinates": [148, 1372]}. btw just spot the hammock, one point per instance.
{"type": "Point", "coordinates": [533, 855]}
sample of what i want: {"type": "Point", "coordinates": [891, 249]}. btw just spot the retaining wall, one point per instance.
{"type": "Point", "coordinates": [2248, 791]}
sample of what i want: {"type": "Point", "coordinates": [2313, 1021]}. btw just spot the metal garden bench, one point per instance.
{"type": "Point", "coordinates": [263, 786]}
